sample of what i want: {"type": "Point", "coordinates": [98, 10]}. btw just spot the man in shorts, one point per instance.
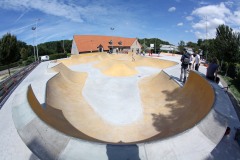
{"type": "Point", "coordinates": [185, 59]}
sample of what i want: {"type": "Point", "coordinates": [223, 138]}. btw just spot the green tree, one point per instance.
{"type": "Point", "coordinates": [24, 54]}
{"type": "Point", "coordinates": [227, 44]}
{"type": "Point", "coordinates": [181, 46]}
{"type": "Point", "coordinates": [8, 50]}
{"type": "Point", "coordinates": [199, 42]}
{"type": "Point", "coordinates": [194, 46]}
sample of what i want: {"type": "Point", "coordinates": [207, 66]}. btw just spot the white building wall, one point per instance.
{"type": "Point", "coordinates": [169, 48]}
{"type": "Point", "coordinates": [136, 45]}
{"type": "Point", "coordinates": [74, 49]}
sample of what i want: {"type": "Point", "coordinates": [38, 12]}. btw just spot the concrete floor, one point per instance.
{"type": "Point", "coordinates": [199, 142]}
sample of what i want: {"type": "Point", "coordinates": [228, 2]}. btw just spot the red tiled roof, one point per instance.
{"type": "Point", "coordinates": [91, 42]}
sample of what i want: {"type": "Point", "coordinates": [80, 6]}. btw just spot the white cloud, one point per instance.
{"type": "Point", "coordinates": [180, 24]}
{"type": "Point", "coordinates": [210, 24]}
{"type": "Point", "coordinates": [172, 9]}
{"type": "Point", "coordinates": [210, 17]}
{"type": "Point", "coordinates": [234, 18]}
{"type": "Point", "coordinates": [203, 3]}
{"type": "Point", "coordinates": [212, 11]}
{"type": "Point", "coordinates": [189, 18]}
{"type": "Point", "coordinates": [56, 8]}
{"type": "Point", "coordinates": [229, 3]}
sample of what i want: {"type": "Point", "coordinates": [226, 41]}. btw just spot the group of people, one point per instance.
{"type": "Point", "coordinates": [189, 62]}
{"type": "Point", "coordinates": [192, 61]}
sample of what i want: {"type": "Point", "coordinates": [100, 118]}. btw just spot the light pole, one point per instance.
{"type": "Point", "coordinates": [111, 40]}
{"type": "Point", "coordinates": [35, 29]}
{"type": "Point", "coordinates": [206, 37]}
{"type": "Point", "coordinates": [155, 45]}
{"type": "Point", "coordinates": [63, 46]}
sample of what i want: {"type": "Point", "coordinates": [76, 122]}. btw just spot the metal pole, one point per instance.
{"type": "Point", "coordinates": [63, 47]}
{"type": "Point", "coordinates": [112, 40]}
{"type": "Point", "coordinates": [33, 28]}
{"type": "Point", "coordinates": [155, 45]}
{"type": "Point", "coordinates": [36, 39]}
{"type": "Point", "coordinates": [206, 38]}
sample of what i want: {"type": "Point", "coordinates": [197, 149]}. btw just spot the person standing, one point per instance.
{"type": "Point", "coordinates": [197, 61]}
{"type": "Point", "coordinates": [212, 71]}
{"type": "Point", "coordinates": [191, 62]}
{"type": "Point", "coordinates": [185, 62]}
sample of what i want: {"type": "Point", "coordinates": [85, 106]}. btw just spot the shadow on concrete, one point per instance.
{"type": "Point", "coordinates": [185, 106]}
{"type": "Point", "coordinates": [235, 103]}
{"type": "Point", "coordinates": [39, 149]}
{"type": "Point", "coordinates": [33, 157]}
{"type": "Point", "coordinates": [122, 152]}
{"type": "Point", "coordinates": [174, 78]}
{"type": "Point", "coordinates": [226, 149]}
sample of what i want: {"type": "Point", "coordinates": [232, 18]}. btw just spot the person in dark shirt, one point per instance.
{"type": "Point", "coordinates": [212, 71]}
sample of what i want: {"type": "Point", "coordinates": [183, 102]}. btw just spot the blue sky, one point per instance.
{"type": "Point", "coordinates": [169, 20]}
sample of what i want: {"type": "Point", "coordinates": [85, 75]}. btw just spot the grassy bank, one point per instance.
{"type": "Point", "coordinates": [234, 87]}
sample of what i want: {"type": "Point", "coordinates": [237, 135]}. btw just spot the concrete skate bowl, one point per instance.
{"type": "Point", "coordinates": [164, 108]}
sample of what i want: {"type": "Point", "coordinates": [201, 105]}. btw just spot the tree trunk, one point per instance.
{"type": "Point", "coordinates": [226, 71]}
{"type": "Point", "coordinates": [9, 71]}
{"type": "Point", "coordinates": [221, 65]}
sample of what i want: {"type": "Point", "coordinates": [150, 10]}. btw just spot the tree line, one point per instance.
{"type": "Point", "coordinates": [225, 47]}
{"type": "Point", "coordinates": [14, 52]}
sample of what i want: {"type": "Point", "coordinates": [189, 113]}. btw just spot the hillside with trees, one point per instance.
{"type": "Point", "coordinates": [14, 52]}
{"type": "Point", "coordinates": [145, 42]}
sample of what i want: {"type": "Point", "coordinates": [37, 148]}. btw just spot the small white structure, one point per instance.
{"type": "Point", "coordinates": [169, 48]}
{"type": "Point", "coordinates": [45, 58]}
{"type": "Point", "coordinates": [189, 50]}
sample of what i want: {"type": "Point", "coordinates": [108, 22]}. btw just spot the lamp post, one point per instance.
{"type": "Point", "coordinates": [155, 45]}
{"type": "Point", "coordinates": [206, 37]}
{"type": "Point", "coordinates": [111, 40]}
{"type": "Point", "coordinates": [35, 29]}
{"type": "Point", "coordinates": [63, 46]}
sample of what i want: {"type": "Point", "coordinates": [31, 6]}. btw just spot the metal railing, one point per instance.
{"type": "Point", "coordinates": [8, 85]}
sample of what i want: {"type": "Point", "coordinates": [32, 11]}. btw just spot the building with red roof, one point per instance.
{"type": "Point", "coordinates": [97, 43]}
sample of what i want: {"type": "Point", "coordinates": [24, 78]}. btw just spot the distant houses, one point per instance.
{"type": "Point", "coordinates": [97, 43]}
{"type": "Point", "coordinates": [169, 48]}
{"type": "Point", "coordinates": [189, 50]}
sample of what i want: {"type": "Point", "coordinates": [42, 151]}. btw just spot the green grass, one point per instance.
{"type": "Point", "coordinates": [234, 86]}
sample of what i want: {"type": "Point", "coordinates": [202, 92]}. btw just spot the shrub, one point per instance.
{"type": "Point", "coordinates": [15, 64]}
{"type": "Point", "coordinates": [57, 56]}
{"type": "Point", "coordinates": [238, 72]}
{"type": "Point", "coordinates": [232, 70]}
{"type": "Point", "coordinates": [224, 67]}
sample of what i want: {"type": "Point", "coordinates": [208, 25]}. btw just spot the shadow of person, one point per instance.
{"type": "Point", "coordinates": [122, 152]}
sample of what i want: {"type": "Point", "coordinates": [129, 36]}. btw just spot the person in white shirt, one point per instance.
{"type": "Point", "coordinates": [191, 62]}
{"type": "Point", "coordinates": [197, 61]}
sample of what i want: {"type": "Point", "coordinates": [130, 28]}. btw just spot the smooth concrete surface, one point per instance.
{"type": "Point", "coordinates": [199, 142]}
{"type": "Point", "coordinates": [149, 108]}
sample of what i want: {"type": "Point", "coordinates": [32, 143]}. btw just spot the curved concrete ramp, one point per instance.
{"type": "Point", "coordinates": [54, 117]}
{"type": "Point", "coordinates": [167, 109]}
{"type": "Point", "coordinates": [117, 65]}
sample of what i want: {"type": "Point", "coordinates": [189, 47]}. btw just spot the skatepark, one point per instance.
{"type": "Point", "coordinates": [104, 106]}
